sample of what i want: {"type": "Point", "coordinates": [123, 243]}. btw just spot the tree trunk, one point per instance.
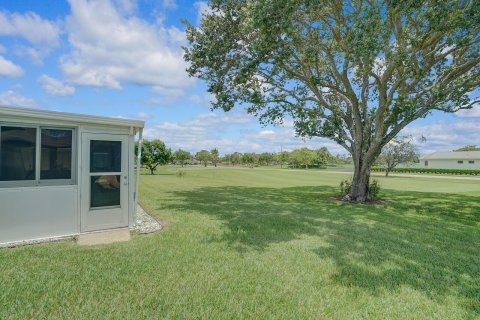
{"type": "Point", "coordinates": [359, 192]}
{"type": "Point", "coordinates": [386, 172]}
{"type": "Point", "coordinates": [361, 179]}
{"type": "Point", "coordinates": [151, 170]}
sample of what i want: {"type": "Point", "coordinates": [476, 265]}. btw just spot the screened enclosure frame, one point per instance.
{"type": "Point", "coordinates": [37, 181]}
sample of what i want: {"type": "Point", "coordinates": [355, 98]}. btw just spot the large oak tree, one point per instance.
{"type": "Point", "coordinates": [356, 72]}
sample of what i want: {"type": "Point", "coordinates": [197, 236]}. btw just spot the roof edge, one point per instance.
{"type": "Point", "coordinates": [68, 116]}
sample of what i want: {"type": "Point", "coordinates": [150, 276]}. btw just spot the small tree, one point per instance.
{"type": "Point", "coordinates": [283, 158]}
{"type": "Point", "coordinates": [303, 156]}
{"type": "Point", "coordinates": [323, 156]}
{"type": "Point", "coordinates": [155, 153]}
{"type": "Point", "coordinates": [182, 156]}
{"type": "Point", "coordinates": [265, 158]}
{"type": "Point", "coordinates": [248, 158]}
{"type": "Point", "coordinates": [468, 148]}
{"type": "Point", "coordinates": [203, 156]}
{"type": "Point", "coordinates": [215, 156]}
{"type": "Point", "coordinates": [236, 158]}
{"type": "Point", "coordinates": [398, 151]}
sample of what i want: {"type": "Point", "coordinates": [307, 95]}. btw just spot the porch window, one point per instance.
{"type": "Point", "coordinates": [17, 153]}
{"type": "Point", "coordinates": [56, 155]}
{"type": "Point", "coordinates": [32, 155]}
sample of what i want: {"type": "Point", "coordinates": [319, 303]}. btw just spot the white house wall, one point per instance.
{"type": "Point", "coordinates": [449, 164]}
{"type": "Point", "coordinates": [28, 213]}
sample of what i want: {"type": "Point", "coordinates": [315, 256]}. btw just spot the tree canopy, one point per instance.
{"type": "Point", "coordinates": [203, 156]}
{"type": "Point", "coordinates": [155, 153]}
{"type": "Point", "coordinates": [399, 150]}
{"type": "Point", "coordinates": [182, 156]}
{"type": "Point", "coordinates": [215, 156]}
{"type": "Point", "coordinates": [356, 72]}
{"type": "Point", "coordinates": [468, 148]}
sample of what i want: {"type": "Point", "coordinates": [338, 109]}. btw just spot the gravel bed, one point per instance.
{"type": "Point", "coordinates": [146, 223]}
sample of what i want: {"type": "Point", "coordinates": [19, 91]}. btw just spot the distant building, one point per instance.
{"type": "Point", "coordinates": [451, 160]}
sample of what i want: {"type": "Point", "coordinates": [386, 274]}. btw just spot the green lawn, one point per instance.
{"type": "Point", "coordinates": [266, 244]}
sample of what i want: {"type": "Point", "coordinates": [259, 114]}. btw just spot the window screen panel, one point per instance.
{"type": "Point", "coordinates": [56, 154]}
{"type": "Point", "coordinates": [104, 191]}
{"type": "Point", "coordinates": [17, 153]}
{"type": "Point", "coordinates": [105, 156]}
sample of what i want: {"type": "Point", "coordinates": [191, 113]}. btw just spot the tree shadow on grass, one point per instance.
{"type": "Point", "coordinates": [427, 241]}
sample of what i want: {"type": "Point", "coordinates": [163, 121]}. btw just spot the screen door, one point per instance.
{"type": "Point", "coordinates": [104, 181]}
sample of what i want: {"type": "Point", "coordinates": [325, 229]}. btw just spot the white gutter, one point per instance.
{"type": "Point", "coordinates": [137, 182]}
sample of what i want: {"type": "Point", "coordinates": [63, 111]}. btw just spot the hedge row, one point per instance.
{"type": "Point", "coordinates": [430, 170]}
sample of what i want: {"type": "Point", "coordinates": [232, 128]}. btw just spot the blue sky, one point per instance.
{"type": "Point", "coordinates": [123, 58]}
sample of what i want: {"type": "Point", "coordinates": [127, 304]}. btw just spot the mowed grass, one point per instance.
{"type": "Point", "coordinates": [265, 244]}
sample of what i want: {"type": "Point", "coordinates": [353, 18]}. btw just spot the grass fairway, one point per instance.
{"type": "Point", "coordinates": [265, 244]}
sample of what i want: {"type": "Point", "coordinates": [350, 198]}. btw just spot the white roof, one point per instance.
{"type": "Point", "coordinates": [454, 155]}
{"type": "Point", "coordinates": [36, 114]}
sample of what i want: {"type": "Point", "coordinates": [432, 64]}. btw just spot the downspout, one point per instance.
{"type": "Point", "coordinates": [137, 182]}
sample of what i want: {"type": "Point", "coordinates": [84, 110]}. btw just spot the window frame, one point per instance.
{"type": "Point", "coordinates": [37, 182]}
{"type": "Point", "coordinates": [56, 182]}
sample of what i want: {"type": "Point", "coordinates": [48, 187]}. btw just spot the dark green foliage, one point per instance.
{"type": "Point", "coordinates": [155, 153]}
{"type": "Point", "coordinates": [345, 187]}
{"type": "Point", "coordinates": [373, 189]}
{"type": "Point", "coordinates": [431, 170]}
{"type": "Point", "coordinates": [182, 156]}
{"type": "Point", "coordinates": [469, 148]}
{"type": "Point", "coordinates": [204, 156]}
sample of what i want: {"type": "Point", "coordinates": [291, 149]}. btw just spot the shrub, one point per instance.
{"type": "Point", "coordinates": [345, 187]}
{"type": "Point", "coordinates": [373, 189]}
{"type": "Point", "coordinates": [431, 170]}
{"type": "Point", "coordinates": [181, 173]}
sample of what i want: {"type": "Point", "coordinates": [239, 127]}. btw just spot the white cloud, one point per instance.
{"type": "Point", "coordinates": [9, 69]}
{"type": "Point", "coordinates": [469, 113]}
{"type": "Point", "coordinates": [169, 4]}
{"type": "Point", "coordinates": [55, 87]}
{"type": "Point", "coordinates": [445, 136]}
{"type": "Point", "coordinates": [110, 48]}
{"type": "Point", "coordinates": [42, 35]}
{"type": "Point", "coordinates": [143, 115]}
{"type": "Point", "coordinates": [202, 8]}
{"type": "Point", "coordinates": [227, 132]}
{"type": "Point", "coordinates": [31, 27]}
{"type": "Point", "coordinates": [15, 99]}
{"type": "Point", "coordinates": [126, 6]}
